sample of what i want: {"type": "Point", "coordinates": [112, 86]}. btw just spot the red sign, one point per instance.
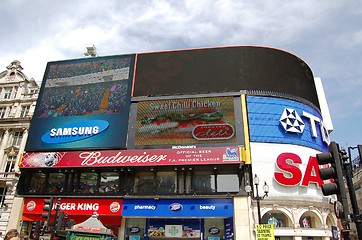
{"type": "Point", "coordinates": [213, 131]}
{"type": "Point", "coordinates": [142, 157]}
{"type": "Point", "coordinates": [291, 175]}
{"type": "Point", "coordinates": [73, 206]}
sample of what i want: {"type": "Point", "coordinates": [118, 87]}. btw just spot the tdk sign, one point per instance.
{"type": "Point", "coordinates": [293, 123]}
{"type": "Point", "coordinates": [75, 131]}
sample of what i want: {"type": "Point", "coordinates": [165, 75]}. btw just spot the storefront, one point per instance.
{"type": "Point", "coordinates": [78, 210]}
{"type": "Point", "coordinates": [194, 218]}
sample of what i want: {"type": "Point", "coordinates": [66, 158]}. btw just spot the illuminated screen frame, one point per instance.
{"type": "Point", "coordinates": [83, 104]}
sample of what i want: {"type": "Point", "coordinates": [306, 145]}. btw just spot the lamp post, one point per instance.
{"type": "Point", "coordinates": [250, 192]}
{"type": "Point", "coordinates": [356, 216]}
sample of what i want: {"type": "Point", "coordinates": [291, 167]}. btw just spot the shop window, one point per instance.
{"type": "Point", "coordinates": [144, 183]}
{"type": "Point", "coordinates": [227, 183]}
{"type": "Point", "coordinates": [109, 182]}
{"type": "Point", "coordinates": [174, 228]}
{"type": "Point", "coordinates": [88, 182]}
{"type": "Point", "coordinates": [203, 182]}
{"type": "Point", "coordinates": [135, 228]}
{"type": "Point", "coordinates": [166, 182]}
{"type": "Point", "coordinates": [307, 221]}
{"type": "Point", "coordinates": [37, 183]}
{"type": "Point", "coordinates": [277, 218]}
{"type": "Point", "coordinates": [56, 182]}
{"type": "Point", "coordinates": [214, 228]}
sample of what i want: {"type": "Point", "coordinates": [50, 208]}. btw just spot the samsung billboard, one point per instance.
{"type": "Point", "coordinates": [83, 104]}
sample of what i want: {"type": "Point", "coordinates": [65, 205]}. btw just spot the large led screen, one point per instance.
{"type": "Point", "coordinates": [223, 69]}
{"type": "Point", "coordinates": [188, 121]}
{"type": "Point", "coordinates": [83, 104]}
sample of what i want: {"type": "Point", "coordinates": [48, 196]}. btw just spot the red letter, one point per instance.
{"type": "Point", "coordinates": [312, 173]}
{"type": "Point", "coordinates": [285, 163]}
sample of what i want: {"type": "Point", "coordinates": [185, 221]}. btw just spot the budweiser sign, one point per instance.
{"type": "Point", "coordinates": [148, 157]}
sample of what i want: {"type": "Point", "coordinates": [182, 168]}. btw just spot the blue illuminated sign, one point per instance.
{"type": "Point", "coordinates": [179, 208]}
{"type": "Point", "coordinates": [278, 120]}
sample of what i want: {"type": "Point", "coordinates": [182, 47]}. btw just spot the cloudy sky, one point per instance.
{"type": "Point", "coordinates": [326, 34]}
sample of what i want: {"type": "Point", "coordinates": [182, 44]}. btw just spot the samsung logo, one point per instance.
{"type": "Point", "coordinates": [75, 131]}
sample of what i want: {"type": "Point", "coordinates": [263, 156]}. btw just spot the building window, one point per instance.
{"type": "Point", "coordinates": [25, 111]}
{"type": "Point", "coordinates": [7, 93]}
{"type": "Point", "coordinates": [10, 164]}
{"type": "Point", "coordinates": [277, 218]}
{"type": "Point", "coordinates": [109, 182]}
{"type": "Point", "coordinates": [88, 182]}
{"type": "Point", "coordinates": [2, 195]}
{"type": "Point", "coordinates": [144, 183]}
{"type": "Point", "coordinates": [2, 112]}
{"type": "Point", "coordinates": [227, 183]}
{"type": "Point", "coordinates": [166, 182]}
{"type": "Point", "coordinates": [37, 183]}
{"type": "Point", "coordinates": [56, 182]}
{"type": "Point", "coordinates": [15, 91]}
{"type": "Point", "coordinates": [17, 138]}
{"type": "Point", "coordinates": [203, 182]}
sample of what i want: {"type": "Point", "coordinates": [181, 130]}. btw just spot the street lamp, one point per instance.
{"type": "Point", "coordinates": [250, 192]}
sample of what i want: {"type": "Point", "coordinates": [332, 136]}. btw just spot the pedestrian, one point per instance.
{"type": "Point", "coordinates": [12, 234]}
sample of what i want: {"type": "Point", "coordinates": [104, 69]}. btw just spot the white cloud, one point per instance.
{"type": "Point", "coordinates": [326, 34]}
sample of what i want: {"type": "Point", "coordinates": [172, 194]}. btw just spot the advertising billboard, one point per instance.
{"type": "Point", "coordinates": [83, 104]}
{"type": "Point", "coordinates": [278, 120]}
{"type": "Point", "coordinates": [131, 158]}
{"type": "Point", "coordinates": [291, 171]}
{"type": "Point", "coordinates": [187, 121]}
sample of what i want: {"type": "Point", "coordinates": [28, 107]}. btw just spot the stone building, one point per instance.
{"type": "Point", "coordinates": [18, 95]}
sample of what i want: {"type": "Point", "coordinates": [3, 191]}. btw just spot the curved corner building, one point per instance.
{"type": "Point", "coordinates": [163, 145]}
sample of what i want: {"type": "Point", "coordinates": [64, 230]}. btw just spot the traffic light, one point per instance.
{"type": "Point", "coordinates": [35, 228]}
{"type": "Point", "coordinates": [47, 212]}
{"type": "Point", "coordinates": [335, 158]}
{"type": "Point", "coordinates": [59, 221]}
{"type": "Point", "coordinates": [334, 172]}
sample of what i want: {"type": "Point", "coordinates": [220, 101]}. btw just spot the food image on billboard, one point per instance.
{"type": "Point", "coordinates": [83, 103]}
{"type": "Point", "coordinates": [185, 121]}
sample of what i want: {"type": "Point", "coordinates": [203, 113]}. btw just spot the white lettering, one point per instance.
{"type": "Point", "coordinates": [88, 206]}
{"type": "Point", "coordinates": [312, 119]}
{"type": "Point", "coordinates": [145, 207]}
{"type": "Point", "coordinates": [65, 132]}
{"type": "Point", "coordinates": [67, 206]}
{"type": "Point", "coordinates": [324, 132]}
{"type": "Point", "coordinates": [207, 207]}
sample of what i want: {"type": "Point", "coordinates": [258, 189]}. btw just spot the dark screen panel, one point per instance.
{"type": "Point", "coordinates": [223, 70]}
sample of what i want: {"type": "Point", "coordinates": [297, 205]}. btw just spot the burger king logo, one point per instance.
{"type": "Point", "coordinates": [31, 205]}
{"type": "Point", "coordinates": [114, 207]}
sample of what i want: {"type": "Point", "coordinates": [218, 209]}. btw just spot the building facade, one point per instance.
{"type": "Point", "coordinates": [18, 95]}
{"type": "Point", "coordinates": [163, 144]}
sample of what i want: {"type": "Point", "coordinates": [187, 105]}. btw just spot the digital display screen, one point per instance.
{"type": "Point", "coordinates": [185, 121]}
{"type": "Point", "coordinates": [83, 103]}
